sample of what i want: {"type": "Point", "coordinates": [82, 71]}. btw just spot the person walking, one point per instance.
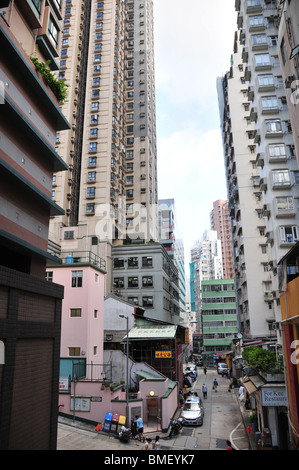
{"type": "Point", "coordinates": [215, 385]}
{"type": "Point", "coordinates": [205, 370]}
{"type": "Point", "coordinates": [204, 391]}
{"type": "Point", "coordinates": [157, 443]}
{"type": "Point", "coordinates": [139, 423]}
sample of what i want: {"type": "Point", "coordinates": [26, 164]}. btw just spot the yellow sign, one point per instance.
{"type": "Point", "coordinates": [186, 336]}
{"type": "Point", "coordinates": [163, 354]}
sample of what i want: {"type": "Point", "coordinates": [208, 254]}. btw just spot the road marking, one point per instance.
{"type": "Point", "coordinates": [230, 436]}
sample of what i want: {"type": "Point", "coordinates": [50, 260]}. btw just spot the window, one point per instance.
{"type": "Point", "coordinates": [133, 300]}
{"type": "Point", "coordinates": [53, 32]}
{"type": "Point", "coordinates": [147, 281]}
{"type": "Point", "coordinates": [281, 178]}
{"type": "Point", "coordinates": [119, 282]}
{"type": "Point", "coordinates": [284, 204]}
{"type": "Point", "coordinates": [91, 191]}
{"type": "Point", "coordinates": [93, 146]}
{"type": "Point", "coordinates": [269, 102]}
{"type": "Point", "coordinates": [90, 209]}
{"type": "Point", "coordinates": [77, 278]}
{"type": "Point", "coordinates": [262, 60]}
{"type": "Point", "coordinates": [74, 351]}
{"type": "Point", "coordinates": [147, 261]}
{"type": "Point", "coordinates": [259, 39]}
{"type": "Point", "coordinates": [76, 312]}
{"type": "Point", "coordinates": [49, 276]}
{"type": "Point", "coordinates": [94, 132]}
{"type": "Point", "coordinates": [277, 151]}
{"type": "Point", "coordinates": [147, 301]}
{"type": "Point", "coordinates": [133, 262]}
{"type": "Point", "coordinates": [119, 262]}
{"type": "Point", "coordinates": [257, 20]}
{"type": "Point", "coordinates": [273, 125]}
{"type": "Point", "coordinates": [133, 282]}
{"type": "Point", "coordinates": [92, 161]}
{"type": "Point", "coordinates": [289, 234]}
{"type": "Point", "coordinates": [91, 176]}
{"type": "Point", "coordinates": [266, 80]}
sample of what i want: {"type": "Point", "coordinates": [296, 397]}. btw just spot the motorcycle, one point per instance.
{"type": "Point", "coordinates": [175, 427]}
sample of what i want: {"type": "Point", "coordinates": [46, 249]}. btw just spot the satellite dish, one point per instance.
{"type": "Point", "coordinates": [239, 336]}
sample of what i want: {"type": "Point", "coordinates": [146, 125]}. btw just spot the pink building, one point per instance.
{"type": "Point", "coordinates": [82, 323]}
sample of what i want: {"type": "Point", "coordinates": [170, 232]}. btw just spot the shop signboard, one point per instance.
{"type": "Point", "coordinates": [274, 396]}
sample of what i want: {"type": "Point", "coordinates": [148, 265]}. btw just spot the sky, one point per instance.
{"type": "Point", "coordinates": [193, 45]}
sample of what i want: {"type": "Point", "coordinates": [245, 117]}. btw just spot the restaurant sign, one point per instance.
{"type": "Point", "coordinates": [274, 396]}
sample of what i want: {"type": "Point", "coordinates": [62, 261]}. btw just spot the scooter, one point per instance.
{"type": "Point", "coordinates": [176, 426]}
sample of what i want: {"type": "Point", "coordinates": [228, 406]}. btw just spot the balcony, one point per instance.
{"type": "Point", "coordinates": [82, 257]}
{"type": "Point", "coordinates": [254, 7]}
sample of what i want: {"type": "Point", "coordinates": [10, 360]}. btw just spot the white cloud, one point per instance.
{"type": "Point", "coordinates": [191, 170]}
{"type": "Point", "coordinates": [193, 45]}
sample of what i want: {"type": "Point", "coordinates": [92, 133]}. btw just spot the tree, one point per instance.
{"type": "Point", "coordinates": [260, 359]}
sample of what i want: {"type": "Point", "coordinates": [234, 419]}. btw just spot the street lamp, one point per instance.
{"type": "Point", "coordinates": [127, 371]}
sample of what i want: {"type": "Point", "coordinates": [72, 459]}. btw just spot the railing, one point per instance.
{"type": "Point", "coordinates": [92, 372]}
{"type": "Point", "coordinates": [73, 257]}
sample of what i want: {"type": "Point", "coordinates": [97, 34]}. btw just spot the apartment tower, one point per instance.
{"type": "Point", "coordinates": [30, 312]}
{"type": "Point", "coordinates": [220, 222]}
{"type": "Point", "coordinates": [107, 59]}
{"type": "Point", "coordinates": [260, 167]}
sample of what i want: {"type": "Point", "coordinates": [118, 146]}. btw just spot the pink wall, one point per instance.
{"type": "Point", "coordinates": [86, 331]}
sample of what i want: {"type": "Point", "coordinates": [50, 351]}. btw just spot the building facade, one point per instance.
{"type": "Point", "coordinates": [110, 190]}
{"type": "Point", "coordinates": [256, 112]}
{"type": "Point", "coordinates": [221, 223]}
{"type": "Point", "coordinates": [170, 238]}
{"type": "Point", "coordinates": [145, 275]}
{"type": "Point", "coordinates": [30, 306]}
{"type": "Point", "coordinates": [218, 317]}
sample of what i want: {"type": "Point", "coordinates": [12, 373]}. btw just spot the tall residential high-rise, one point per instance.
{"type": "Point", "coordinates": [110, 190]}
{"type": "Point", "coordinates": [169, 237]}
{"type": "Point", "coordinates": [220, 222]}
{"type": "Point", "coordinates": [30, 318]}
{"type": "Point", "coordinates": [206, 264]}
{"type": "Point", "coordinates": [260, 167]}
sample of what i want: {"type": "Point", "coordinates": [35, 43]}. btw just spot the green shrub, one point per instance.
{"type": "Point", "coordinates": [59, 87]}
{"type": "Point", "coordinates": [261, 359]}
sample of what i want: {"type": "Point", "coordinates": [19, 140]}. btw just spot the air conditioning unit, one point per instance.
{"type": "Point", "coordinates": [289, 80]}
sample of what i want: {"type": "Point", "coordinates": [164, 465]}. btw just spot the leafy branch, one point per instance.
{"type": "Point", "coordinates": [261, 359]}
{"type": "Point", "coordinates": [59, 87]}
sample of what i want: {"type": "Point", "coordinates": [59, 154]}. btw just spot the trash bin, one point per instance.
{"type": "Point", "coordinates": [107, 423]}
{"type": "Point", "coordinates": [114, 422]}
{"type": "Point", "coordinates": [121, 422]}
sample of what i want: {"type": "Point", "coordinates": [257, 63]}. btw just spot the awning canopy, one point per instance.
{"type": "Point", "coordinates": [153, 332]}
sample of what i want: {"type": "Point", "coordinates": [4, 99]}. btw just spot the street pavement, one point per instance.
{"type": "Point", "coordinates": [223, 419]}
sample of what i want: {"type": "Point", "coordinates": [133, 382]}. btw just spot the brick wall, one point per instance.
{"type": "Point", "coordinates": [30, 324]}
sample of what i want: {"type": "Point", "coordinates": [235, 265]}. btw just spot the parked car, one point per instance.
{"type": "Point", "coordinates": [222, 369]}
{"type": "Point", "coordinates": [191, 369]}
{"type": "Point", "coordinates": [192, 412]}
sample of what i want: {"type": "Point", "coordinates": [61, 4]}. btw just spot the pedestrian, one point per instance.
{"type": "Point", "coordinates": [147, 445]}
{"type": "Point", "coordinates": [204, 391]}
{"type": "Point", "coordinates": [205, 370]}
{"type": "Point", "coordinates": [157, 443]}
{"type": "Point", "coordinates": [229, 446]}
{"type": "Point", "coordinates": [139, 423]}
{"type": "Point", "coordinates": [215, 385]}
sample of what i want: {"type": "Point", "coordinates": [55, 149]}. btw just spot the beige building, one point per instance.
{"type": "Point", "coordinates": [261, 166]}
{"type": "Point", "coordinates": [110, 191]}
{"type": "Point", "coordinates": [220, 222]}
{"type": "Point", "coordinates": [288, 42]}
